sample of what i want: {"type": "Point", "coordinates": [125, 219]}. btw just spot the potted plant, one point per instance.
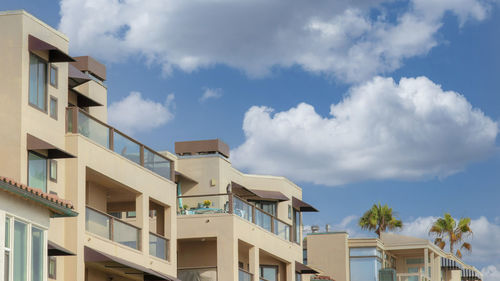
{"type": "Point", "coordinates": [207, 203]}
{"type": "Point", "coordinates": [184, 209]}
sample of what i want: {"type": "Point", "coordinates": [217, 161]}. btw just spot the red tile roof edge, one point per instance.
{"type": "Point", "coordinates": [321, 277]}
{"type": "Point", "coordinates": [38, 192]}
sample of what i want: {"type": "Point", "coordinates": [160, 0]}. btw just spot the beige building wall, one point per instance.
{"type": "Point", "coordinates": [329, 252]}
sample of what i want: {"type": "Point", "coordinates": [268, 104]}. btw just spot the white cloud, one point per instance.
{"type": "Point", "coordinates": [340, 38]}
{"type": "Point", "coordinates": [211, 94]}
{"type": "Point", "coordinates": [491, 273]}
{"type": "Point", "coordinates": [381, 130]}
{"type": "Point", "coordinates": [136, 114]}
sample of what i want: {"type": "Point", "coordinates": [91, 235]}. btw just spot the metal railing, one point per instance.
{"type": "Point", "coordinates": [412, 277]}
{"type": "Point", "coordinates": [244, 275]}
{"type": "Point", "coordinates": [158, 246]}
{"type": "Point", "coordinates": [111, 228]}
{"type": "Point", "coordinates": [230, 203]}
{"type": "Point", "coordinates": [80, 122]}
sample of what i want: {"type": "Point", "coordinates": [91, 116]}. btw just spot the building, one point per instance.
{"type": "Point", "coordinates": [390, 257]}
{"type": "Point", "coordinates": [235, 226]}
{"type": "Point", "coordinates": [55, 139]}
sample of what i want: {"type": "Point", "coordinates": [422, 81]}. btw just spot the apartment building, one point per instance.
{"type": "Point", "coordinates": [56, 140]}
{"type": "Point", "coordinates": [388, 258]}
{"type": "Point", "coordinates": [235, 226]}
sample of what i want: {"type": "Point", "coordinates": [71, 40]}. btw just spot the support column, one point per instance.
{"type": "Point", "coordinates": [142, 218]}
{"type": "Point", "coordinates": [254, 263]}
{"type": "Point", "coordinates": [290, 271]}
{"type": "Point", "coordinates": [433, 266]}
{"type": "Point", "coordinates": [426, 262]}
{"type": "Point", "coordinates": [227, 258]}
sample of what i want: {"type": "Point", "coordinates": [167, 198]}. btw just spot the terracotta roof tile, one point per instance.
{"type": "Point", "coordinates": [38, 192]}
{"type": "Point", "coordinates": [322, 277]}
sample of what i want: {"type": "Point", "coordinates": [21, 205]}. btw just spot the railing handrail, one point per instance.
{"type": "Point", "coordinates": [159, 236]}
{"type": "Point", "coordinates": [242, 270]}
{"type": "Point", "coordinates": [112, 130]}
{"type": "Point", "coordinates": [202, 195]}
{"type": "Point", "coordinates": [257, 208]}
{"type": "Point", "coordinates": [112, 217]}
{"type": "Point", "coordinates": [196, 267]}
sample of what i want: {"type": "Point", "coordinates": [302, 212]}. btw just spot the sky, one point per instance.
{"type": "Point", "coordinates": [358, 102]}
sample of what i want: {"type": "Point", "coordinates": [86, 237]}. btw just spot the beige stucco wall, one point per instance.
{"type": "Point", "coordinates": [329, 253]}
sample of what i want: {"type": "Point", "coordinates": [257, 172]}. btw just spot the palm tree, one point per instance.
{"type": "Point", "coordinates": [379, 218]}
{"type": "Point", "coordinates": [446, 228]}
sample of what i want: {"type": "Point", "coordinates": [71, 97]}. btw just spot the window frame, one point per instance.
{"type": "Point", "coordinates": [128, 216]}
{"type": "Point", "coordinates": [52, 161]}
{"type": "Point", "coordinates": [56, 116]}
{"type": "Point", "coordinates": [46, 168]}
{"type": "Point", "coordinates": [52, 260]}
{"type": "Point", "coordinates": [52, 66]}
{"type": "Point", "coordinates": [45, 109]}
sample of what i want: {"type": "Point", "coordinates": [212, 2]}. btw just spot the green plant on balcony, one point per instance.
{"type": "Point", "coordinates": [207, 203]}
{"type": "Point", "coordinates": [185, 206]}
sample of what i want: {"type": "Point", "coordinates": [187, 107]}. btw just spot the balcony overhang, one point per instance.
{"type": "Point", "coordinates": [302, 206]}
{"type": "Point", "coordinates": [304, 269]}
{"type": "Point", "coordinates": [83, 100]}
{"type": "Point", "coordinates": [179, 175]}
{"type": "Point", "coordinates": [55, 54]}
{"type": "Point", "coordinates": [92, 255]}
{"type": "Point", "coordinates": [76, 77]}
{"type": "Point", "coordinates": [270, 195]}
{"type": "Point", "coordinates": [53, 152]}
{"type": "Point", "coordinates": [54, 250]}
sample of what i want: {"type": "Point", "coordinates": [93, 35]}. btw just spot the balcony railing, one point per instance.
{"type": "Point", "coordinates": [244, 275]}
{"type": "Point", "coordinates": [80, 122]}
{"type": "Point", "coordinates": [158, 246]}
{"type": "Point", "coordinates": [412, 277]}
{"type": "Point", "coordinates": [111, 228]}
{"type": "Point", "coordinates": [199, 273]}
{"type": "Point", "coordinates": [230, 203]}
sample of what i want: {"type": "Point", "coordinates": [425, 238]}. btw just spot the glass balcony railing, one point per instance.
{"type": "Point", "coordinates": [244, 275]}
{"type": "Point", "coordinates": [230, 203]}
{"type": "Point", "coordinates": [158, 246]}
{"type": "Point", "coordinates": [80, 122]}
{"type": "Point", "coordinates": [205, 274]}
{"type": "Point", "coordinates": [111, 228]}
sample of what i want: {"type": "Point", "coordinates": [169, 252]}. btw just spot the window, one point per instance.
{"type": "Point", "coordinates": [38, 81]}
{"type": "Point", "coordinates": [298, 276]}
{"type": "Point", "coordinates": [53, 170]}
{"type": "Point", "coordinates": [131, 214]}
{"type": "Point", "coordinates": [269, 272]}
{"type": "Point", "coordinates": [7, 254]}
{"type": "Point", "coordinates": [37, 253]}
{"type": "Point", "coordinates": [365, 263]}
{"type": "Point", "coordinates": [20, 250]}
{"type": "Point", "coordinates": [289, 211]}
{"type": "Point", "coordinates": [267, 206]}
{"type": "Point", "coordinates": [52, 268]}
{"type": "Point", "coordinates": [117, 215]}
{"type": "Point", "coordinates": [296, 226]}
{"type": "Point", "coordinates": [53, 75]}
{"type": "Point", "coordinates": [53, 107]}
{"type": "Point", "coordinates": [37, 171]}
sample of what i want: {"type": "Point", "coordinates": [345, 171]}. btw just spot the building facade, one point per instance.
{"type": "Point", "coordinates": [235, 226]}
{"type": "Point", "coordinates": [390, 257]}
{"type": "Point", "coordinates": [55, 138]}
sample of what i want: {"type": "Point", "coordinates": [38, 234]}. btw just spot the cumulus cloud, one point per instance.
{"type": "Point", "coordinates": [491, 273]}
{"type": "Point", "coordinates": [380, 130]}
{"type": "Point", "coordinates": [350, 40]}
{"type": "Point", "coordinates": [137, 114]}
{"type": "Point", "coordinates": [211, 94]}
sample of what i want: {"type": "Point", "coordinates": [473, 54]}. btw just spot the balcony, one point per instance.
{"type": "Point", "coordinates": [244, 275]}
{"type": "Point", "coordinates": [80, 122]}
{"type": "Point", "coordinates": [232, 204]}
{"type": "Point", "coordinates": [109, 227]}
{"type": "Point", "coordinates": [158, 246]}
{"type": "Point", "coordinates": [412, 277]}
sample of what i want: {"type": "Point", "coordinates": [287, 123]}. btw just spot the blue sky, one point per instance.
{"type": "Point", "coordinates": [277, 63]}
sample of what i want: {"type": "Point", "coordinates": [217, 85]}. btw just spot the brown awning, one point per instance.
{"type": "Point", "coordinates": [76, 77]}
{"type": "Point", "coordinates": [181, 175]}
{"type": "Point", "coordinates": [83, 100]}
{"type": "Point", "coordinates": [91, 255]}
{"type": "Point", "coordinates": [304, 269]}
{"type": "Point", "coordinates": [302, 206]}
{"type": "Point", "coordinates": [242, 191]}
{"type": "Point", "coordinates": [54, 249]}
{"type": "Point", "coordinates": [55, 55]}
{"type": "Point", "coordinates": [34, 143]}
{"type": "Point", "coordinates": [270, 195]}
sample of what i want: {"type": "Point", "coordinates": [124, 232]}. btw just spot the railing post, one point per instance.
{"type": "Point", "coordinates": [75, 119]}
{"type": "Point", "coordinates": [112, 139]}
{"type": "Point", "coordinates": [230, 201]}
{"type": "Point", "coordinates": [253, 214]}
{"type": "Point", "coordinates": [111, 229]}
{"type": "Point", "coordinates": [272, 224]}
{"type": "Point", "coordinates": [142, 155]}
{"type": "Point", "coordinates": [172, 170]}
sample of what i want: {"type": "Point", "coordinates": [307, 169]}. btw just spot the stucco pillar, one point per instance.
{"type": "Point", "coordinates": [2, 241]}
{"type": "Point", "coordinates": [290, 272]}
{"type": "Point", "coordinates": [142, 217]}
{"type": "Point", "coordinates": [254, 262]}
{"type": "Point", "coordinates": [433, 266]}
{"type": "Point", "coordinates": [227, 258]}
{"type": "Point", "coordinates": [426, 262]}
